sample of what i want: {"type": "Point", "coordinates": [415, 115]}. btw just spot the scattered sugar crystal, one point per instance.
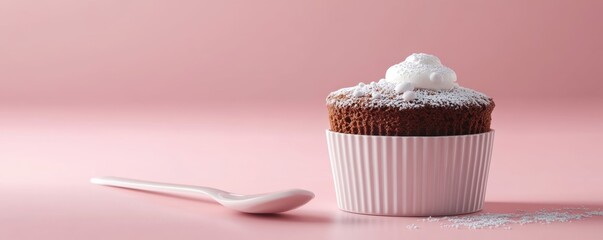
{"type": "Point", "coordinates": [504, 220]}
{"type": "Point", "coordinates": [412, 226]}
{"type": "Point", "coordinates": [431, 219]}
{"type": "Point", "coordinates": [595, 213]}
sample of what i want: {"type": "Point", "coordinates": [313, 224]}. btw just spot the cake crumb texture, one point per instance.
{"type": "Point", "coordinates": [458, 111]}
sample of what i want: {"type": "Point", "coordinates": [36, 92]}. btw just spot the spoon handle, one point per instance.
{"type": "Point", "coordinates": [156, 186]}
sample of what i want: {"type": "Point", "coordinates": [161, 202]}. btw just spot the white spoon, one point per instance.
{"type": "Point", "coordinates": [274, 202]}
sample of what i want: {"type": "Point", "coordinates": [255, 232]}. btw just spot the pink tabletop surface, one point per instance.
{"type": "Point", "coordinates": [545, 156]}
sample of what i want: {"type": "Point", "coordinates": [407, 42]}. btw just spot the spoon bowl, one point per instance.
{"type": "Point", "coordinates": [274, 202]}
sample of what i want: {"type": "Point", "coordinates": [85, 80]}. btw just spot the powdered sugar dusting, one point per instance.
{"type": "Point", "coordinates": [505, 220]}
{"type": "Point", "coordinates": [384, 94]}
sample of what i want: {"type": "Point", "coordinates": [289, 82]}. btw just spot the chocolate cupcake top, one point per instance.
{"type": "Point", "coordinates": [383, 94]}
{"type": "Point", "coordinates": [419, 81]}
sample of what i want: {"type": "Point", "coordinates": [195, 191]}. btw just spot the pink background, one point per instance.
{"type": "Point", "coordinates": [231, 94]}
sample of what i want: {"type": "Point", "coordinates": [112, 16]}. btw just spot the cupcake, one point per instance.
{"type": "Point", "coordinates": [412, 144]}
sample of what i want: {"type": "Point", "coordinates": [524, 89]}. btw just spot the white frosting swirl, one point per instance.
{"type": "Point", "coordinates": [422, 71]}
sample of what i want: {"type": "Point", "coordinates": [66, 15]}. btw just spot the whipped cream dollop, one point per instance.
{"type": "Point", "coordinates": [421, 70]}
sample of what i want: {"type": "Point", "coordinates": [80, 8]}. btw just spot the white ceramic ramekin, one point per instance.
{"type": "Point", "coordinates": [410, 176]}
